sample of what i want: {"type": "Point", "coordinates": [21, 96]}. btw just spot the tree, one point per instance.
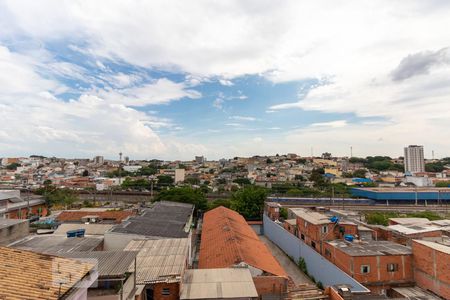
{"type": "Point", "coordinates": [54, 196]}
{"type": "Point", "coordinates": [184, 195]}
{"type": "Point", "coordinates": [192, 180]}
{"type": "Point", "coordinates": [283, 213]}
{"type": "Point", "coordinates": [360, 173]}
{"type": "Point", "coordinates": [434, 167]}
{"type": "Point", "coordinates": [443, 184]}
{"type": "Point", "coordinates": [165, 180]}
{"type": "Point", "coordinates": [269, 161]}
{"type": "Point", "coordinates": [318, 178]}
{"type": "Point", "coordinates": [85, 173]}
{"type": "Point", "coordinates": [12, 166]}
{"type": "Point", "coordinates": [249, 201]}
{"type": "Point", "coordinates": [219, 202]}
{"type": "Point", "coordinates": [242, 181]}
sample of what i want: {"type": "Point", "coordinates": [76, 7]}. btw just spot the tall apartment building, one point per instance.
{"type": "Point", "coordinates": [414, 159]}
{"type": "Point", "coordinates": [98, 160]}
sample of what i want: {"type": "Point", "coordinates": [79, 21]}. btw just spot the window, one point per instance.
{"type": "Point", "coordinates": [324, 229]}
{"type": "Point", "coordinates": [165, 292]}
{"type": "Point", "coordinates": [306, 224]}
{"type": "Point", "coordinates": [392, 267]}
{"type": "Point", "coordinates": [365, 269]}
{"type": "Point", "coordinates": [327, 253]}
{"type": "Point", "coordinates": [302, 236]}
{"type": "Point", "coordinates": [313, 244]}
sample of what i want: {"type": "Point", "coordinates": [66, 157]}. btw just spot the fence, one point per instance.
{"type": "Point", "coordinates": [319, 267]}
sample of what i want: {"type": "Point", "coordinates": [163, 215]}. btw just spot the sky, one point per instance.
{"type": "Point", "coordinates": [174, 79]}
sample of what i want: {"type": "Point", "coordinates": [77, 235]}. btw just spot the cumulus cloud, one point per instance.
{"type": "Point", "coordinates": [420, 63]}
{"type": "Point", "coordinates": [371, 56]}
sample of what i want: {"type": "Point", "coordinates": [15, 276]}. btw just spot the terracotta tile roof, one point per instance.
{"type": "Point", "coordinates": [228, 240]}
{"type": "Point", "coordinates": [28, 275]}
{"type": "Point", "coordinates": [75, 216]}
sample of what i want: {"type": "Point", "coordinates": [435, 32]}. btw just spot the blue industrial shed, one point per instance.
{"type": "Point", "coordinates": [432, 195]}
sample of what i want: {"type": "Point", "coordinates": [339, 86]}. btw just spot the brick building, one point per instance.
{"type": "Point", "coordinates": [379, 265]}
{"type": "Point", "coordinates": [432, 267]}
{"type": "Point", "coordinates": [13, 206]}
{"type": "Point", "coordinates": [228, 241]}
{"type": "Point", "coordinates": [272, 210]}
{"type": "Point", "coordinates": [314, 228]}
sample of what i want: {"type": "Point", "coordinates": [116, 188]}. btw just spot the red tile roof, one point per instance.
{"type": "Point", "coordinates": [227, 240]}
{"type": "Point", "coordinates": [75, 216]}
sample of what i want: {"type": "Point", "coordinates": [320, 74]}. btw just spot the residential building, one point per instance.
{"type": "Point", "coordinates": [12, 230]}
{"type": "Point", "coordinates": [200, 159]}
{"type": "Point", "coordinates": [57, 244]}
{"type": "Point", "coordinates": [99, 160]}
{"type": "Point", "coordinates": [178, 175]}
{"type": "Point", "coordinates": [414, 159]}
{"type": "Point", "coordinates": [227, 241]}
{"type": "Point", "coordinates": [160, 266]}
{"type": "Point", "coordinates": [225, 283]}
{"type": "Point", "coordinates": [164, 220]}
{"type": "Point", "coordinates": [431, 266]}
{"type": "Point", "coordinates": [116, 274]}
{"type": "Point", "coordinates": [13, 206]}
{"type": "Point", "coordinates": [314, 228]}
{"type": "Point", "coordinates": [103, 217]}
{"type": "Point", "coordinates": [379, 265]}
{"type": "Point", "coordinates": [29, 275]}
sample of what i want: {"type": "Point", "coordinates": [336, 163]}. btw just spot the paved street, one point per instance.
{"type": "Point", "coordinates": [289, 266]}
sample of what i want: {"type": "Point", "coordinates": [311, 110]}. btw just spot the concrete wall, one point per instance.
{"type": "Point", "coordinates": [319, 267]}
{"type": "Point", "coordinates": [14, 233]}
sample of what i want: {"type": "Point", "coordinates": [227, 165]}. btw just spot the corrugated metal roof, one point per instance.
{"type": "Point", "coordinates": [91, 229]}
{"type": "Point", "coordinates": [164, 219]}
{"type": "Point", "coordinates": [218, 284]}
{"type": "Point", "coordinates": [162, 260]}
{"type": "Point", "coordinates": [52, 244]}
{"type": "Point", "coordinates": [110, 263]}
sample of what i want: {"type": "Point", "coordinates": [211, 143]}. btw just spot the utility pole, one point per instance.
{"type": "Point", "coordinates": [416, 194]}
{"type": "Point", "coordinates": [120, 168]}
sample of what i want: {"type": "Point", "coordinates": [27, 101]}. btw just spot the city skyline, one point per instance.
{"type": "Point", "coordinates": [223, 79]}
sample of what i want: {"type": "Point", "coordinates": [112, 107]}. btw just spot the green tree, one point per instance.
{"type": "Point", "coordinates": [435, 167]}
{"type": "Point", "coordinates": [242, 181]}
{"type": "Point", "coordinates": [249, 201]}
{"type": "Point", "coordinates": [360, 173]}
{"type": "Point", "coordinates": [12, 166]}
{"type": "Point", "coordinates": [165, 180]}
{"type": "Point", "coordinates": [192, 180]}
{"type": "Point", "coordinates": [219, 202]}
{"type": "Point", "coordinates": [85, 173]}
{"type": "Point", "coordinates": [283, 213]}
{"type": "Point", "coordinates": [55, 196]}
{"type": "Point", "coordinates": [184, 195]}
{"type": "Point", "coordinates": [443, 184]}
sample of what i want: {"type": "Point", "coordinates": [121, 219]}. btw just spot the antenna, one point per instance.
{"type": "Point", "coordinates": [351, 151]}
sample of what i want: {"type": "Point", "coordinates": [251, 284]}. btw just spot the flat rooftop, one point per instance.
{"type": "Point", "coordinates": [218, 284]}
{"type": "Point", "coordinates": [164, 219]}
{"type": "Point", "coordinates": [372, 248]}
{"type": "Point", "coordinates": [410, 221]}
{"type": "Point", "coordinates": [5, 223]}
{"type": "Point", "coordinates": [435, 246]}
{"type": "Point", "coordinates": [414, 229]}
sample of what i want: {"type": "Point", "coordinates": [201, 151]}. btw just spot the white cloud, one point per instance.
{"type": "Point", "coordinates": [380, 59]}
{"type": "Point", "coordinates": [34, 121]}
{"type": "Point", "coordinates": [333, 124]}
{"type": "Point", "coordinates": [242, 118]}
{"type": "Point", "coordinates": [161, 91]}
